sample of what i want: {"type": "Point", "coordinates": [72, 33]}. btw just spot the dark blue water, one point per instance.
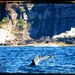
{"type": "Point", "coordinates": [18, 59]}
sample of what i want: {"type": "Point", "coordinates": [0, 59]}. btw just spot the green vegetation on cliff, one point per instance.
{"type": "Point", "coordinates": [20, 23]}
{"type": "Point", "coordinates": [4, 20]}
{"type": "Point", "coordinates": [22, 10]}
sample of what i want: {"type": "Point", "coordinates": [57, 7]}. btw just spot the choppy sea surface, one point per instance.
{"type": "Point", "coordinates": [17, 60]}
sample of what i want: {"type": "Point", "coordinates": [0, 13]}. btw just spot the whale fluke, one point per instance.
{"type": "Point", "coordinates": [38, 59]}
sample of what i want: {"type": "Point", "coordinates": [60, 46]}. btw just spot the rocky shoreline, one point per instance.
{"type": "Point", "coordinates": [52, 44]}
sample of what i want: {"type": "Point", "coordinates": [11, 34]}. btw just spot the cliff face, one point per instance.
{"type": "Point", "coordinates": [51, 19]}
{"type": "Point", "coordinates": [2, 11]}
{"type": "Point", "coordinates": [46, 19]}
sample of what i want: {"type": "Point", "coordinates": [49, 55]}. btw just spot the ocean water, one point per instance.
{"type": "Point", "coordinates": [17, 60]}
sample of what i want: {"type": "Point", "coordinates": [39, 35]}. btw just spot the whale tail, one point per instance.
{"type": "Point", "coordinates": [38, 59]}
{"type": "Point", "coordinates": [45, 57]}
